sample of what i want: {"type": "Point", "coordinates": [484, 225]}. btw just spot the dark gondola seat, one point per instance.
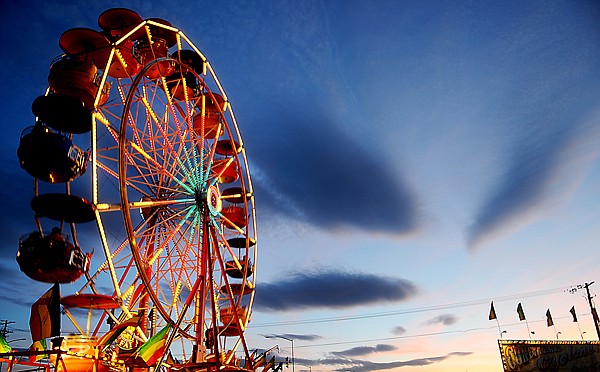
{"type": "Point", "coordinates": [50, 156]}
{"type": "Point", "coordinates": [191, 65]}
{"type": "Point", "coordinates": [238, 289]}
{"type": "Point", "coordinates": [206, 122]}
{"type": "Point", "coordinates": [206, 125]}
{"type": "Point", "coordinates": [227, 314]}
{"type": "Point", "coordinates": [236, 216]}
{"type": "Point", "coordinates": [236, 272]}
{"type": "Point", "coordinates": [241, 242]}
{"type": "Point", "coordinates": [63, 207]}
{"type": "Point", "coordinates": [125, 63]}
{"type": "Point", "coordinates": [228, 147]}
{"type": "Point", "coordinates": [191, 59]}
{"type": "Point", "coordinates": [149, 52]}
{"type": "Point", "coordinates": [179, 83]}
{"type": "Point", "coordinates": [227, 172]}
{"type": "Point", "coordinates": [63, 113]}
{"type": "Point", "coordinates": [115, 24]}
{"type": "Point", "coordinates": [155, 47]}
{"type": "Point", "coordinates": [51, 258]}
{"type": "Point", "coordinates": [76, 77]}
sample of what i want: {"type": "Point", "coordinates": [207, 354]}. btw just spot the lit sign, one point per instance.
{"type": "Point", "coordinates": [554, 356]}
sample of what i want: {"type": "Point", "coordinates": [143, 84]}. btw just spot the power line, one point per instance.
{"type": "Point", "coordinates": [419, 335]}
{"type": "Point", "coordinates": [398, 337]}
{"type": "Point", "coordinates": [412, 310]}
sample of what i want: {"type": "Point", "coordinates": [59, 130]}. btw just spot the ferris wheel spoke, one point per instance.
{"type": "Point", "coordinates": [155, 191]}
{"type": "Point", "coordinates": [103, 153]}
{"type": "Point", "coordinates": [170, 237]}
{"type": "Point", "coordinates": [152, 166]}
{"type": "Point", "coordinates": [160, 191]}
{"type": "Point", "coordinates": [186, 249]}
{"type": "Point", "coordinates": [184, 271]}
{"type": "Point", "coordinates": [218, 176]}
{"type": "Point", "coordinates": [160, 167]}
{"type": "Point", "coordinates": [189, 164]}
{"type": "Point", "coordinates": [139, 138]}
{"type": "Point", "coordinates": [174, 267]}
{"type": "Point", "coordinates": [185, 263]}
{"type": "Point", "coordinates": [192, 155]}
{"type": "Point", "coordinates": [115, 176]}
{"type": "Point", "coordinates": [145, 138]}
{"type": "Point", "coordinates": [183, 167]}
{"type": "Point", "coordinates": [183, 247]}
{"type": "Point", "coordinates": [145, 169]}
{"type": "Point", "coordinates": [142, 162]}
{"type": "Point", "coordinates": [187, 147]}
{"type": "Point", "coordinates": [168, 143]}
{"type": "Point", "coordinates": [221, 237]}
{"type": "Point", "coordinates": [118, 260]}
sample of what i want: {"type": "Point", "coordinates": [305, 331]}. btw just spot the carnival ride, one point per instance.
{"type": "Point", "coordinates": [164, 178]}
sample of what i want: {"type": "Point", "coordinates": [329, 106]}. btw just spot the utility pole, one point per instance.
{"type": "Point", "coordinates": [593, 309]}
{"type": "Point", "coordinates": [5, 331]}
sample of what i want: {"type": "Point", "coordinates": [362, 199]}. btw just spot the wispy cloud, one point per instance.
{"type": "Point", "coordinates": [364, 350]}
{"type": "Point", "coordinates": [294, 336]}
{"type": "Point", "coordinates": [553, 111]}
{"type": "Point", "coordinates": [444, 319]}
{"type": "Point", "coordinates": [359, 365]}
{"type": "Point", "coordinates": [313, 171]}
{"type": "Point", "coordinates": [306, 161]}
{"type": "Point", "coordinates": [330, 289]}
{"type": "Point", "coordinates": [398, 330]}
{"type": "Point", "coordinates": [557, 155]}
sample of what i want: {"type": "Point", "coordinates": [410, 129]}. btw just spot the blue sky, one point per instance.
{"type": "Point", "coordinates": [412, 162]}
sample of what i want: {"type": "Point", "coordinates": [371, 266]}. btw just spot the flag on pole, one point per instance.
{"type": "Point", "coordinates": [492, 312]}
{"type": "Point", "coordinates": [44, 321]}
{"type": "Point", "coordinates": [110, 336]}
{"type": "Point", "coordinates": [520, 312]}
{"type": "Point", "coordinates": [549, 318]}
{"type": "Point", "coordinates": [4, 346]}
{"type": "Point", "coordinates": [153, 349]}
{"type": "Point", "coordinates": [573, 313]}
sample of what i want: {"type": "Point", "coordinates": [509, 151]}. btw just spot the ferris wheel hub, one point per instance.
{"type": "Point", "coordinates": [213, 200]}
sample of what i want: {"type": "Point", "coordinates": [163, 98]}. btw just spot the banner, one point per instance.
{"type": "Point", "coordinates": [520, 312]}
{"type": "Point", "coordinates": [44, 321]}
{"type": "Point", "coordinates": [492, 315]}
{"type": "Point", "coordinates": [554, 356]}
{"type": "Point", "coordinates": [153, 349]}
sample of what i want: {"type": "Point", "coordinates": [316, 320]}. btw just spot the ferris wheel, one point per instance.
{"type": "Point", "coordinates": [165, 179]}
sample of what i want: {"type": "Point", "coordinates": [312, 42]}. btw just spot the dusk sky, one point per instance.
{"type": "Point", "coordinates": [412, 161]}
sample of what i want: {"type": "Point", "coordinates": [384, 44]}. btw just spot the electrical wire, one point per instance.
{"type": "Point", "coordinates": [412, 310]}
{"type": "Point", "coordinates": [419, 335]}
